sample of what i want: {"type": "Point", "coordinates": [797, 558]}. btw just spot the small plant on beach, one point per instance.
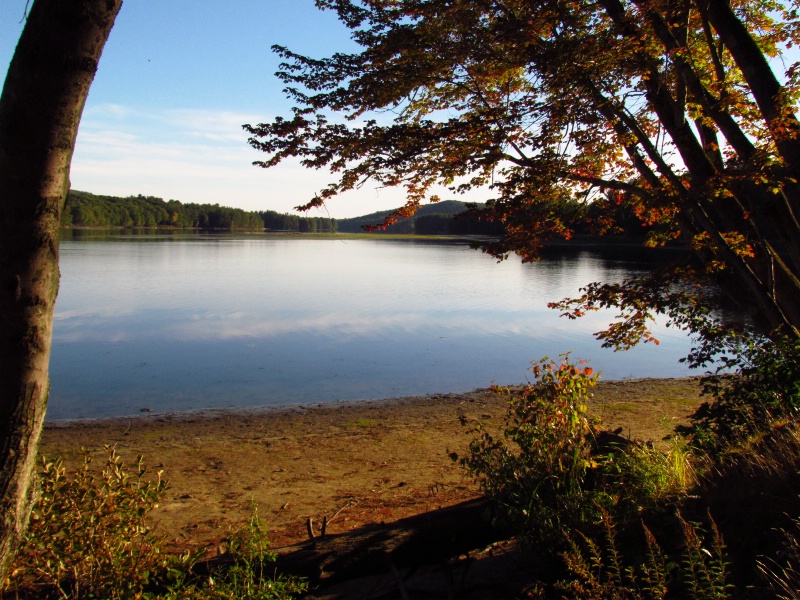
{"type": "Point", "coordinates": [88, 535]}
{"type": "Point", "coordinates": [551, 469]}
{"type": "Point", "coordinates": [246, 574]}
{"type": "Point", "coordinates": [537, 469]}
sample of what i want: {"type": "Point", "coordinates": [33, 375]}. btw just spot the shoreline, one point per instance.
{"type": "Point", "coordinates": [267, 410]}
{"type": "Point", "coordinates": [366, 461]}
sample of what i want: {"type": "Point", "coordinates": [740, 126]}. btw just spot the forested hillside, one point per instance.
{"type": "Point", "coordinates": [450, 217]}
{"type": "Point", "coordinates": [431, 219]}
{"type": "Point", "coordinates": [90, 210]}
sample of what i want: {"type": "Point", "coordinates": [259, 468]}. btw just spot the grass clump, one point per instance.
{"type": "Point", "coordinates": [247, 572]}
{"type": "Point", "coordinates": [89, 537]}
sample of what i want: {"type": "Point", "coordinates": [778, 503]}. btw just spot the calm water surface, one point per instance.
{"type": "Point", "coordinates": [189, 322]}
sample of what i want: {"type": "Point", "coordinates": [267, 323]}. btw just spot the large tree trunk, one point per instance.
{"type": "Point", "coordinates": [40, 108]}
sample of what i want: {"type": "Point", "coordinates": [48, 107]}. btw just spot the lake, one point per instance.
{"type": "Point", "coordinates": [185, 321]}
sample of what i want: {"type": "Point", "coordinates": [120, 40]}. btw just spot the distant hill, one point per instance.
{"type": "Point", "coordinates": [430, 219]}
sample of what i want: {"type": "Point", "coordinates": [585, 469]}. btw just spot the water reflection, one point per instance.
{"type": "Point", "coordinates": [187, 321]}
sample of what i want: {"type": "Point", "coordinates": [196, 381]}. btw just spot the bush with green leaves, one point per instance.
{"type": "Point", "coordinates": [547, 469]}
{"type": "Point", "coordinates": [757, 383]}
{"type": "Point", "coordinates": [90, 537]}
{"type": "Point", "coordinates": [537, 469]}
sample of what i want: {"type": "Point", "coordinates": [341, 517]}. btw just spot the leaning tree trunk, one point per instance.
{"type": "Point", "coordinates": [40, 108]}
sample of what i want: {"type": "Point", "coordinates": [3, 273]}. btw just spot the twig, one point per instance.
{"type": "Point", "coordinates": [350, 504]}
{"type": "Point", "coordinates": [310, 528]}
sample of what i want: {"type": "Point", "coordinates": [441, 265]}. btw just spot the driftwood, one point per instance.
{"type": "Point", "coordinates": [430, 538]}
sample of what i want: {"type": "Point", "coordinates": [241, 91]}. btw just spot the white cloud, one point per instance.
{"type": "Point", "coordinates": [197, 156]}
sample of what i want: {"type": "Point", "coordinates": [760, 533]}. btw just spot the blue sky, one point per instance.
{"type": "Point", "coordinates": [176, 81]}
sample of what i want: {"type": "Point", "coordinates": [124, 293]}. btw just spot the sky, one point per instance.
{"type": "Point", "coordinates": [176, 81]}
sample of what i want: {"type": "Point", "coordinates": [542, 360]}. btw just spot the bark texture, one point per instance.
{"type": "Point", "coordinates": [40, 109]}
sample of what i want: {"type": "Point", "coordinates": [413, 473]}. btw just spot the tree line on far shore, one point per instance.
{"type": "Point", "coordinates": [84, 209]}
{"type": "Point", "coordinates": [450, 217]}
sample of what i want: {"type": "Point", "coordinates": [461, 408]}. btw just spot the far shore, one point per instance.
{"type": "Point", "coordinates": [366, 462]}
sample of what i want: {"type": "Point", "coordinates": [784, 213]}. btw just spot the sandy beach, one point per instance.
{"type": "Point", "coordinates": [354, 463]}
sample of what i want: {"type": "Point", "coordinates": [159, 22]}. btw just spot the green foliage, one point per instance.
{"type": "Point", "coordinates": [640, 476]}
{"type": "Point", "coordinates": [537, 470]}
{"type": "Point", "coordinates": [598, 571]}
{"type": "Point", "coordinates": [704, 567]}
{"type": "Point", "coordinates": [247, 577]}
{"type": "Point", "coordinates": [89, 538]}
{"type": "Point", "coordinates": [553, 470]}
{"type": "Point", "coordinates": [88, 535]}
{"type": "Point", "coordinates": [764, 389]}
{"type": "Point", "coordinates": [83, 209]}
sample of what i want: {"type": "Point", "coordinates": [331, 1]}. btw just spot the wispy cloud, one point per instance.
{"type": "Point", "coordinates": [196, 155]}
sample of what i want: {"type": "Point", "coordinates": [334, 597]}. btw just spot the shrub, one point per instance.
{"type": "Point", "coordinates": [764, 387]}
{"type": "Point", "coordinates": [537, 469]}
{"type": "Point", "coordinates": [89, 538]}
{"type": "Point", "coordinates": [88, 535]}
{"type": "Point", "coordinates": [552, 469]}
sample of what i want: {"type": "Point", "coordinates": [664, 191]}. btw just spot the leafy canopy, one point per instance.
{"type": "Point", "coordinates": [669, 107]}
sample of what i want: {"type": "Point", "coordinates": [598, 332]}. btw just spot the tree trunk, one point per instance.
{"type": "Point", "coordinates": [40, 109]}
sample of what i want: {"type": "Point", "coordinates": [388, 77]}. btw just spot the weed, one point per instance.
{"type": "Point", "coordinates": [705, 570]}
{"type": "Point", "coordinates": [537, 469]}
{"type": "Point", "coordinates": [599, 572]}
{"type": "Point", "coordinates": [89, 538]}
{"type": "Point", "coordinates": [602, 572]}
{"type": "Point", "coordinates": [246, 575]}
